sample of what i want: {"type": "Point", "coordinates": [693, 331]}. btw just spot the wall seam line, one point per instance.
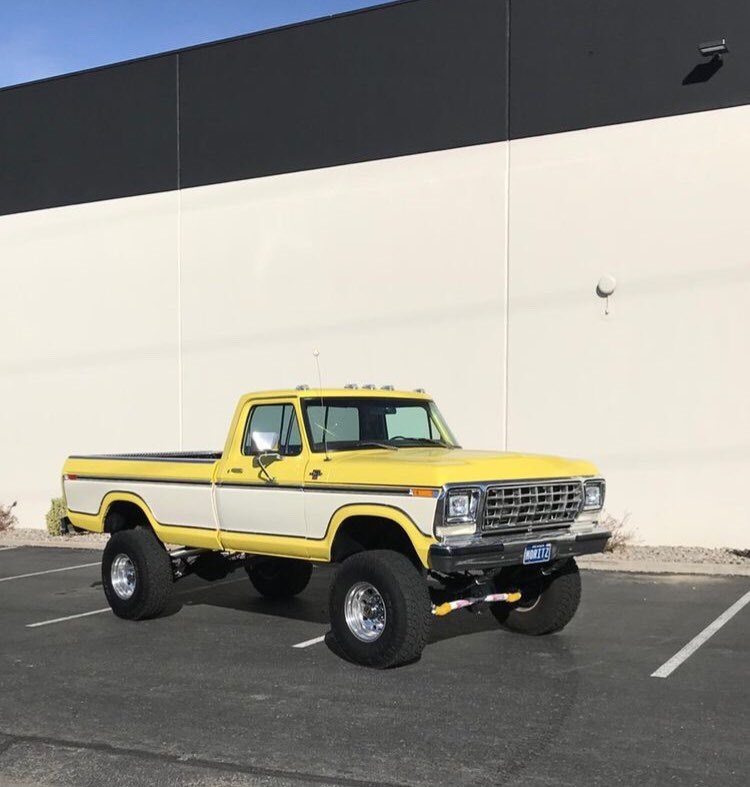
{"type": "Point", "coordinates": [506, 386]}
{"type": "Point", "coordinates": [179, 260]}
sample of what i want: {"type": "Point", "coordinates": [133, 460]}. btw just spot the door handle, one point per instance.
{"type": "Point", "coordinates": [236, 470]}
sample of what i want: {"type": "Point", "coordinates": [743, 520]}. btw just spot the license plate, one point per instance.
{"type": "Point", "coordinates": [537, 553]}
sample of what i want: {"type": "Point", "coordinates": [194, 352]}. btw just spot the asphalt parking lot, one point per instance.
{"type": "Point", "coordinates": [216, 693]}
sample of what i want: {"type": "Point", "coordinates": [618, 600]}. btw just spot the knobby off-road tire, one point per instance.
{"type": "Point", "coordinates": [380, 610]}
{"type": "Point", "coordinates": [136, 574]}
{"type": "Point", "coordinates": [547, 605]}
{"type": "Point", "coordinates": [279, 577]}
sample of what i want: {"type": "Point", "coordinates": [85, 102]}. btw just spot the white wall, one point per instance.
{"type": "Point", "coordinates": [134, 324]}
{"type": "Point", "coordinates": [394, 270]}
{"type": "Point", "coordinates": [88, 338]}
{"type": "Point", "coordinates": [655, 392]}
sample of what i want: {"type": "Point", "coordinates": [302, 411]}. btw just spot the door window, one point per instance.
{"type": "Point", "coordinates": [279, 419]}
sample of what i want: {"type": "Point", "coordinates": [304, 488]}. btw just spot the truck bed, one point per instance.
{"type": "Point", "coordinates": [175, 486]}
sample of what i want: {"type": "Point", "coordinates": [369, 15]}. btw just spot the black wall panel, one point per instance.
{"type": "Point", "coordinates": [582, 63]}
{"type": "Point", "coordinates": [91, 136]}
{"type": "Point", "coordinates": [411, 77]}
{"type": "Point", "coordinates": [403, 79]}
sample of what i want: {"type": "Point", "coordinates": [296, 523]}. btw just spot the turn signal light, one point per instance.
{"type": "Point", "coordinates": [423, 492]}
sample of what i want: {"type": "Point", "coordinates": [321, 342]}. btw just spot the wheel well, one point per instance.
{"type": "Point", "coordinates": [363, 533]}
{"type": "Point", "coordinates": [124, 515]}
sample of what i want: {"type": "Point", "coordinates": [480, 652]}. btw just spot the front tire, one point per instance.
{"type": "Point", "coordinates": [547, 605]}
{"type": "Point", "coordinates": [279, 577]}
{"type": "Point", "coordinates": [136, 574]}
{"type": "Point", "coordinates": [380, 609]}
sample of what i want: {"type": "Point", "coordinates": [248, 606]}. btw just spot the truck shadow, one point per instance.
{"type": "Point", "coordinates": [312, 607]}
{"type": "Point", "coordinates": [241, 597]}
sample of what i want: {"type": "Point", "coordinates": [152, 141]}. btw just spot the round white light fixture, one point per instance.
{"type": "Point", "coordinates": [606, 286]}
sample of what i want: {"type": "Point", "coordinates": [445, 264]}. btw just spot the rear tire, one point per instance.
{"type": "Point", "coordinates": [279, 577]}
{"type": "Point", "coordinates": [547, 605]}
{"type": "Point", "coordinates": [380, 609]}
{"type": "Point", "coordinates": [136, 574]}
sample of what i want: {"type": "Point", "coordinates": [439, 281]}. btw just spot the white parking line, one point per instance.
{"type": "Point", "coordinates": [107, 609]}
{"type": "Point", "coordinates": [67, 617]}
{"type": "Point", "coordinates": [670, 666]}
{"type": "Point", "coordinates": [49, 571]}
{"type": "Point", "coordinates": [308, 642]}
{"type": "Point", "coordinates": [5, 549]}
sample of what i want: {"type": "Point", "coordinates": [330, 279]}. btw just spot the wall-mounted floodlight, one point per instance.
{"type": "Point", "coordinates": [714, 48]}
{"type": "Point", "coordinates": [606, 287]}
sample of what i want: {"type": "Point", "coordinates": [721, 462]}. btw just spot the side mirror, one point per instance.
{"type": "Point", "coordinates": [264, 443]}
{"type": "Point", "coordinates": [265, 447]}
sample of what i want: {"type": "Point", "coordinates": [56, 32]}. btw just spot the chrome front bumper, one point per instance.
{"type": "Point", "coordinates": [478, 552]}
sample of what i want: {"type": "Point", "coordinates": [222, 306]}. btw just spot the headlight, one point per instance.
{"type": "Point", "coordinates": [461, 506]}
{"type": "Point", "coordinates": [593, 495]}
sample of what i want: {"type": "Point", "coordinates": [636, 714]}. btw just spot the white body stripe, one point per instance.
{"type": "Point", "coordinates": [187, 505]}
{"type": "Point", "coordinates": [272, 511]}
{"type": "Point", "coordinates": [279, 512]}
{"type": "Point", "coordinates": [321, 506]}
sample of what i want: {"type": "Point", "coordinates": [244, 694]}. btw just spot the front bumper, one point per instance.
{"type": "Point", "coordinates": [477, 553]}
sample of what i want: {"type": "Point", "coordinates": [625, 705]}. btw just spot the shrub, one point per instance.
{"type": "Point", "coordinates": [622, 535]}
{"type": "Point", "coordinates": [7, 517]}
{"type": "Point", "coordinates": [55, 516]}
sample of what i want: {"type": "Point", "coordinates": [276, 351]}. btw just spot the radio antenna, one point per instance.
{"type": "Point", "coordinates": [316, 353]}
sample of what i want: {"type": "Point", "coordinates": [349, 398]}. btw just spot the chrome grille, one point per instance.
{"type": "Point", "coordinates": [532, 505]}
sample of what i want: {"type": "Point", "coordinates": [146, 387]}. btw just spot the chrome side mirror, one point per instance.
{"type": "Point", "coordinates": [265, 447]}
{"type": "Point", "coordinates": [264, 443]}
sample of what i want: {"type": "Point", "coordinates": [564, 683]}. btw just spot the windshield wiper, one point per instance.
{"type": "Point", "coordinates": [374, 444]}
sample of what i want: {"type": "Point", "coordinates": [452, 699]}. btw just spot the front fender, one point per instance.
{"type": "Point", "coordinates": [321, 550]}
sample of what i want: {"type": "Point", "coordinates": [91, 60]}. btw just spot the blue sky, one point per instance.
{"type": "Point", "coordinates": [42, 38]}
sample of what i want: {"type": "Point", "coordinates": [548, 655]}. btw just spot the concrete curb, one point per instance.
{"type": "Point", "coordinates": [663, 567]}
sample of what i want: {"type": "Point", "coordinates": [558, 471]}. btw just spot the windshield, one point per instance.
{"type": "Point", "coordinates": [344, 423]}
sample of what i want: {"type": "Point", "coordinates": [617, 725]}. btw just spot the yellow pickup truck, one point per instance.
{"type": "Point", "coordinates": [371, 479]}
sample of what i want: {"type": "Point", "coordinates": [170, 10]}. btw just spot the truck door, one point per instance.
{"type": "Point", "coordinates": [259, 483]}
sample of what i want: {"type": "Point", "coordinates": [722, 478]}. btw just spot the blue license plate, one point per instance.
{"type": "Point", "coordinates": [537, 553]}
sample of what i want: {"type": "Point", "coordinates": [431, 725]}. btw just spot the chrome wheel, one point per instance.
{"type": "Point", "coordinates": [364, 610]}
{"type": "Point", "coordinates": [531, 595]}
{"type": "Point", "coordinates": [528, 605]}
{"type": "Point", "coordinates": [122, 575]}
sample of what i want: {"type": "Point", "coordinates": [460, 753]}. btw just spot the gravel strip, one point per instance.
{"type": "Point", "coordinates": [32, 537]}
{"type": "Point", "coordinates": [721, 556]}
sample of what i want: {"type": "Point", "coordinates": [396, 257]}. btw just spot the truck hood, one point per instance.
{"type": "Point", "coordinates": [433, 467]}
